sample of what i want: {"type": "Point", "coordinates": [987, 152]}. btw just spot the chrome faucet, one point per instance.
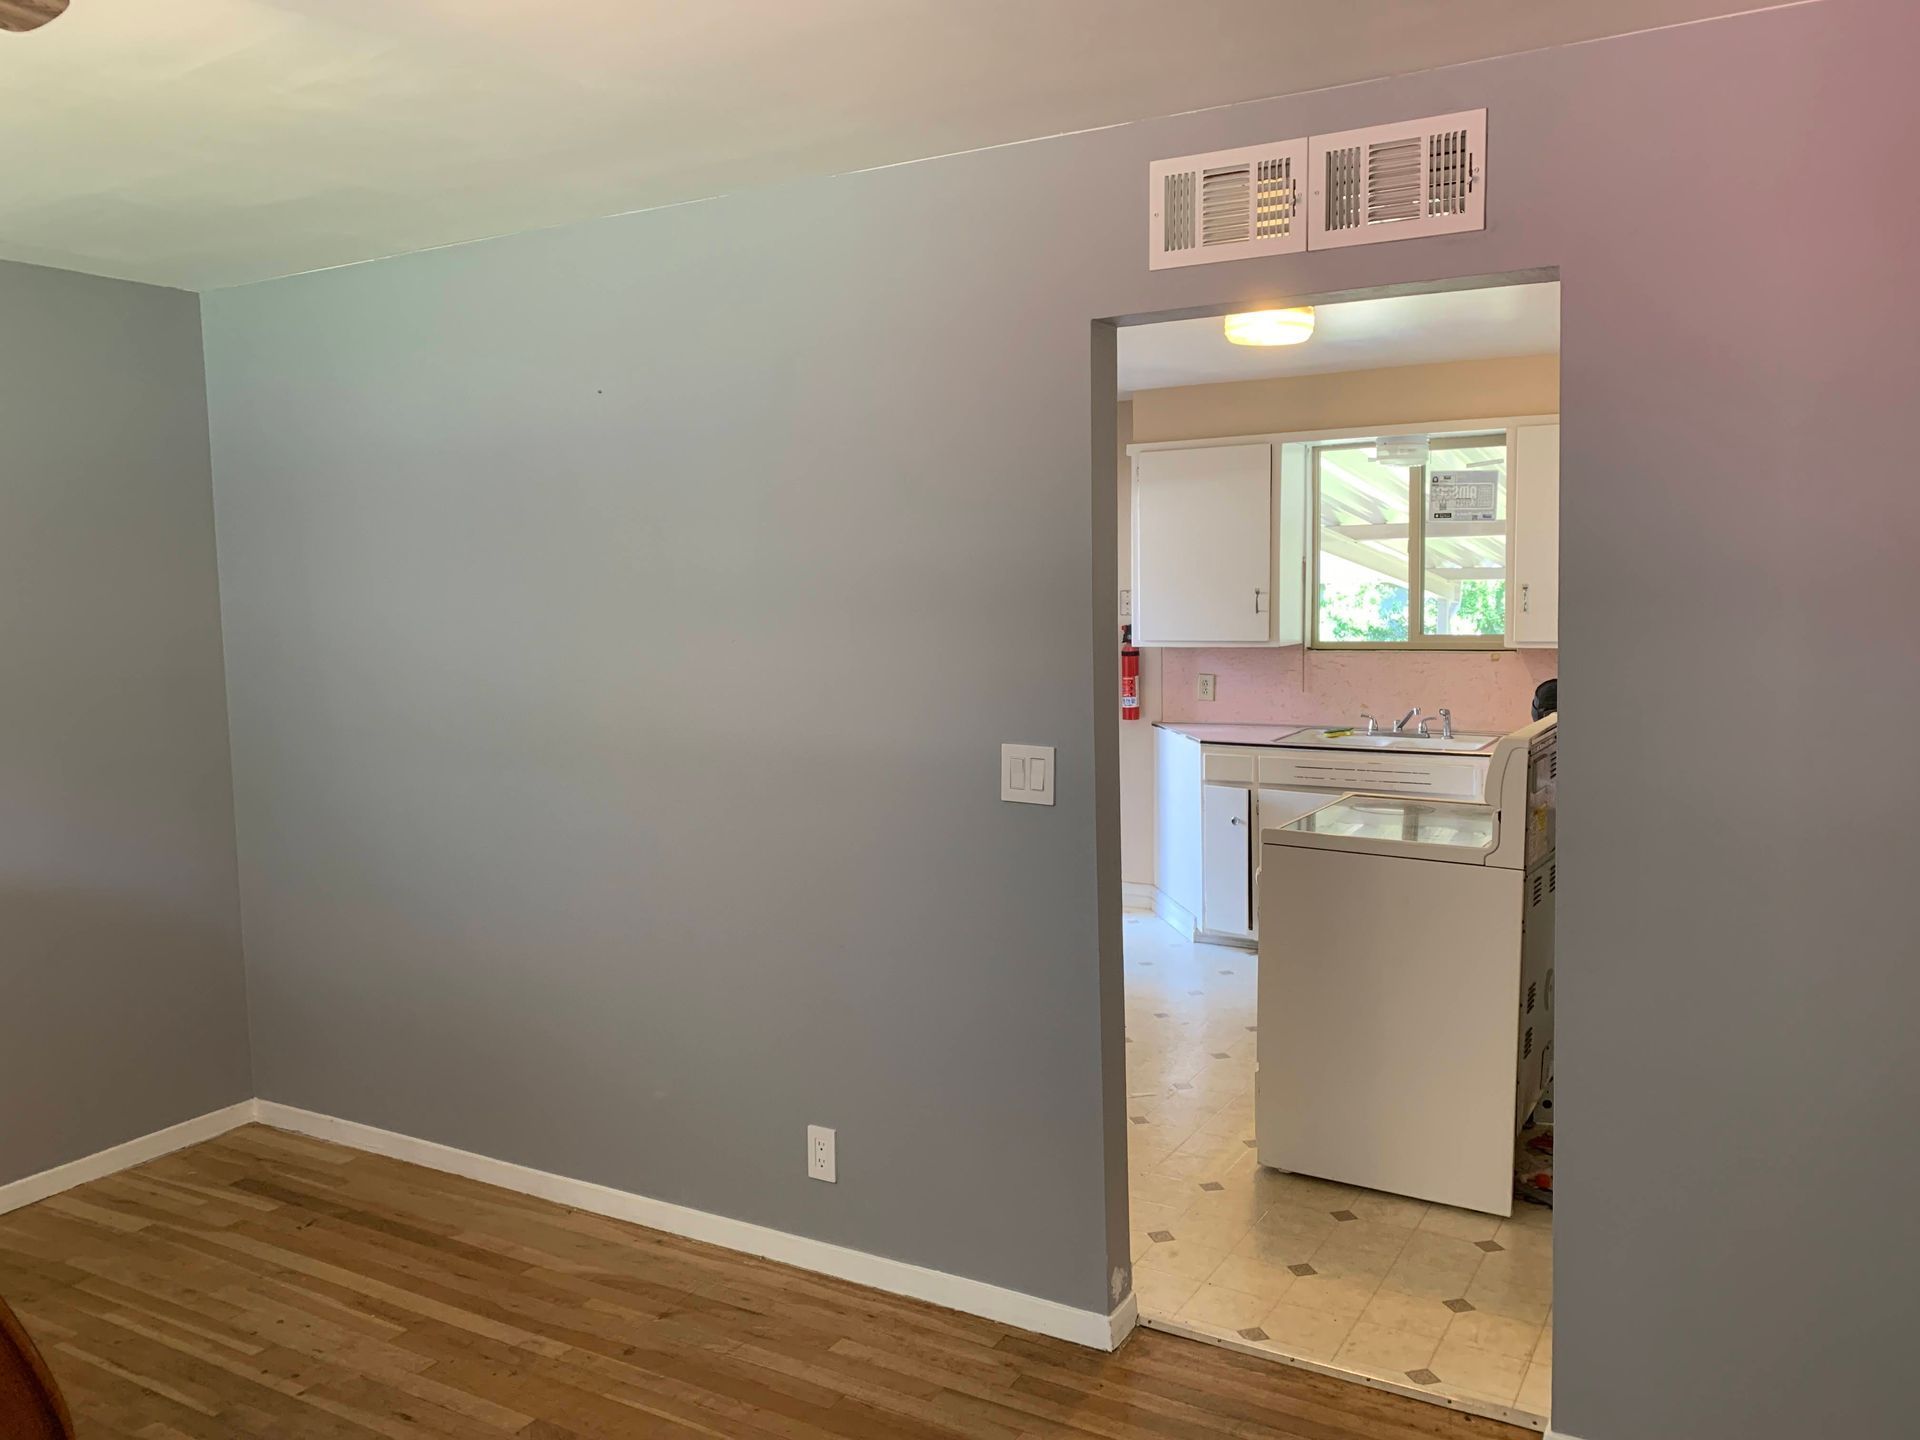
{"type": "Point", "coordinates": [1446, 726]}
{"type": "Point", "coordinates": [1400, 725]}
{"type": "Point", "coordinates": [1373, 725]}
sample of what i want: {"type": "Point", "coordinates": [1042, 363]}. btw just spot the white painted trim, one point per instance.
{"type": "Point", "coordinates": [1137, 896]}
{"type": "Point", "coordinates": [1175, 914]}
{"type": "Point", "coordinates": [1092, 1328]}
{"type": "Point", "coordinates": [1553, 1434]}
{"type": "Point", "coordinates": [1121, 1323]}
{"type": "Point", "coordinates": [106, 1162]}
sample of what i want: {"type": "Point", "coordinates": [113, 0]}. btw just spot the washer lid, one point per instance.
{"type": "Point", "coordinates": [1394, 825]}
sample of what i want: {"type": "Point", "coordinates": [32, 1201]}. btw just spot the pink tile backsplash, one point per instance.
{"type": "Point", "coordinates": [1485, 689]}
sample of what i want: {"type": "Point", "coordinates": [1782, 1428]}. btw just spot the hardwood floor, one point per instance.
{"type": "Point", "coordinates": [265, 1284]}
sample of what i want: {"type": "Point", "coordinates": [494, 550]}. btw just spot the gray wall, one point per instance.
{"type": "Point", "coordinates": [622, 620]}
{"type": "Point", "coordinates": [122, 1002]}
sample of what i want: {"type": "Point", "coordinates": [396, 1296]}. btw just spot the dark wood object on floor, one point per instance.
{"type": "Point", "coordinates": [267, 1285]}
{"type": "Point", "coordinates": [29, 14]}
{"type": "Point", "coordinates": [30, 1403]}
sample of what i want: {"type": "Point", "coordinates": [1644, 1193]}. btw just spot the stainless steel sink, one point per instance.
{"type": "Point", "coordinates": [1464, 742]}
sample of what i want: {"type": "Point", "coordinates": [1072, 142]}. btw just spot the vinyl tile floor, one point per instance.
{"type": "Point", "coordinates": [1429, 1300]}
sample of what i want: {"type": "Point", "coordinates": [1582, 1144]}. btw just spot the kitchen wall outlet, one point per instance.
{"type": "Point", "coordinates": [1205, 687]}
{"type": "Point", "coordinates": [1026, 774]}
{"type": "Point", "coordinates": [820, 1154]}
{"type": "Point", "coordinates": [1126, 604]}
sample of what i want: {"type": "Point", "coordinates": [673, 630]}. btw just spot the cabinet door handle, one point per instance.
{"type": "Point", "coordinates": [1256, 601]}
{"type": "Point", "coordinates": [1236, 820]}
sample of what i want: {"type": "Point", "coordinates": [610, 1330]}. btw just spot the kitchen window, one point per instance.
{"type": "Point", "coordinates": [1376, 525]}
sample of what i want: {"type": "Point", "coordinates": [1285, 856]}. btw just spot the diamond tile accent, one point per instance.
{"type": "Point", "coordinates": [1490, 1246]}
{"type": "Point", "coordinates": [1226, 972]}
{"type": "Point", "coordinates": [1303, 1269]}
{"type": "Point", "coordinates": [1219, 1054]}
{"type": "Point", "coordinates": [1196, 992]}
{"type": "Point", "coordinates": [1159, 1014]}
{"type": "Point", "coordinates": [1249, 1143]}
{"type": "Point", "coordinates": [1253, 1332]}
{"type": "Point", "coordinates": [1138, 1119]}
{"type": "Point", "coordinates": [1211, 1185]}
{"type": "Point", "coordinates": [1252, 1028]}
{"type": "Point", "coordinates": [1459, 1307]}
{"type": "Point", "coordinates": [1423, 1377]}
{"type": "Point", "coordinates": [1344, 1215]}
{"type": "Point", "coordinates": [1160, 1237]}
{"type": "Point", "coordinates": [1181, 1085]}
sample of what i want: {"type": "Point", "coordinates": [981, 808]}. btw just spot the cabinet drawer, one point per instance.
{"type": "Point", "coordinates": [1450, 777]}
{"type": "Point", "coordinates": [1230, 767]}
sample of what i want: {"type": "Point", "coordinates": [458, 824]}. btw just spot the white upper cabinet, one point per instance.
{"type": "Point", "coordinates": [1533, 601]}
{"type": "Point", "coordinates": [1205, 546]}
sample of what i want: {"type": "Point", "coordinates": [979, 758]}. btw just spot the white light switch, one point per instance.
{"type": "Point", "coordinates": [1026, 774]}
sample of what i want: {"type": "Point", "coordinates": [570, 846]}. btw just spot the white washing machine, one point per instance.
{"type": "Point", "coordinates": [1405, 1007]}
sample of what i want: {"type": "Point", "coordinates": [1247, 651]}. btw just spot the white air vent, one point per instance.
{"type": "Point", "coordinates": [1395, 182]}
{"type": "Point", "coordinates": [1229, 205]}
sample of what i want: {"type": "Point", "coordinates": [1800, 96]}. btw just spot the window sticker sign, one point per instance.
{"type": "Point", "coordinates": [1463, 495]}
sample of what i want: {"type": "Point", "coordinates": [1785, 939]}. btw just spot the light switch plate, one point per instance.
{"type": "Point", "coordinates": [1026, 774]}
{"type": "Point", "coordinates": [1205, 687]}
{"type": "Point", "coordinates": [1126, 604]}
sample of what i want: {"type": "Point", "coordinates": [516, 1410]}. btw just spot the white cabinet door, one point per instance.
{"type": "Point", "coordinates": [1226, 860]}
{"type": "Point", "coordinates": [1534, 602]}
{"type": "Point", "coordinates": [1203, 545]}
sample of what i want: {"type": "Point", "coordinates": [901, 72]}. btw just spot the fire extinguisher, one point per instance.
{"type": "Point", "coordinates": [1129, 675]}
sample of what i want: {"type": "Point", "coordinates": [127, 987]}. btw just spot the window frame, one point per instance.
{"type": "Point", "coordinates": [1417, 638]}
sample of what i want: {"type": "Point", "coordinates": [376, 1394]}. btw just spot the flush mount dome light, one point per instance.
{"type": "Point", "coordinates": [1271, 327]}
{"type": "Point", "coordinates": [29, 14]}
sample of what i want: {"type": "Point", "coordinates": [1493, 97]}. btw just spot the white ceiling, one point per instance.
{"type": "Point", "coordinates": [204, 143]}
{"type": "Point", "coordinates": [1357, 335]}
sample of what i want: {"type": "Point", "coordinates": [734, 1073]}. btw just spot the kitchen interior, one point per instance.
{"type": "Point", "coordinates": [1338, 816]}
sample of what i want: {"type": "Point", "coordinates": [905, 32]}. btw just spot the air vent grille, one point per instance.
{"type": "Point", "coordinates": [1226, 205]}
{"type": "Point", "coordinates": [1553, 877]}
{"type": "Point", "coordinates": [1526, 1045]}
{"type": "Point", "coordinates": [1449, 173]}
{"type": "Point", "coordinates": [1345, 186]}
{"type": "Point", "coordinates": [1533, 995]}
{"type": "Point", "coordinates": [1390, 182]}
{"type": "Point", "coordinates": [1229, 205]}
{"type": "Point", "coordinates": [1177, 208]}
{"type": "Point", "coordinates": [1275, 199]}
{"type": "Point", "coordinates": [1393, 181]}
{"type": "Point", "coordinates": [1539, 888]}
{"type": "Point", "coordinates": [1397, 182]}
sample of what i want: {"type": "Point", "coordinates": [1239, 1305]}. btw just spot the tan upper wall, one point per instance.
{"type": "Point", "coordinates": [1405, 394]}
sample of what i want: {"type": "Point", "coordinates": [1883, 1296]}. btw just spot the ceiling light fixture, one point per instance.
{"type": "Point", "coordinates": [1271, 327]}
{"type": "Point", "coordinates": [18, 15]}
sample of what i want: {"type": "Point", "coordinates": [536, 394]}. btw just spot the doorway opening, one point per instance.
{"type": "Point", "coordinates": [1338, 606]}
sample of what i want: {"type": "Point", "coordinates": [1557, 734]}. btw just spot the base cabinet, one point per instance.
{"type": "Point", "coordinates": [1226, 860]}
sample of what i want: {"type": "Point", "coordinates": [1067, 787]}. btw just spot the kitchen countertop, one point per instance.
{"type": "Point", "coordinates": [1292, 735]}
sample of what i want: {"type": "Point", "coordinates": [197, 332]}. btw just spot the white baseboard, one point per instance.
{"type": "Point", "coordinates": [1092, 1328]}
{"type": "Point", "coordinates": [1136, 895]}
{"type": "Point", "coordinates": [1553, 1434]}
{"type": "Point", "coordinates": [123, 1157]}
{"type": "Point", "coordinates": [1175, 914]}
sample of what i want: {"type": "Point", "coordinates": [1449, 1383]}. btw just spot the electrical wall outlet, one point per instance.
{"type": "Point", "coordinates": [1204, 687]}
{"type": "Point", "coordinates": [1126, 604]}
{"type": "Point", "coordinates": [820, 1154]}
